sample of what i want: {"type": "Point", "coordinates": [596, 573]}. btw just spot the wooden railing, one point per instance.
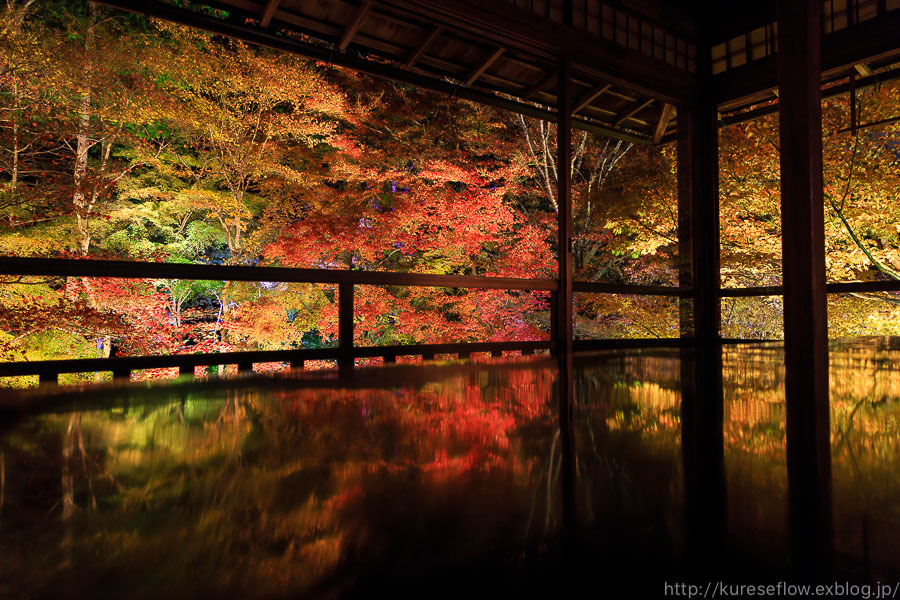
{"type": "Point", "coordinates": [345, 353]}
{"type": "Point", "coordinates": [838, 287]}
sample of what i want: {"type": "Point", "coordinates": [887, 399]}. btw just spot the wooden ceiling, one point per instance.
{"type": "Point", "coordinates": [633, 61]}
{"type": "Point", "coordinates": [625, 89]}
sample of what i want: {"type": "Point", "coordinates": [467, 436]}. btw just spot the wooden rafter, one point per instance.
{"type": "Point", "coordinates": [423, 47]}
{"type": "Point", "coordinates": [268, 12]}
{"type": "Point", "coordinates": [481, 68]}
{"type": "Point", "coordinates": [633, 110]}
{"type": "Point", "coordinates": [589, 97]}
{"type": "Point", "coordinates": [664, 117]}
{"type": "Point", "coordinates": [530, 92]}
{"type": "Point", "coordinates": [354, 25]}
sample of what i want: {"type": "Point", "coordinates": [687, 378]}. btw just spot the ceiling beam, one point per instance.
{"type": "Point", "coordinates": [544, 82]}
{"type": "Point", "coordinates": [423, 47]}
{"type": "Point", "coordinates": [862, 43]}
{"type": "Point", "coordinates": [829, 92]}
{"type": "Point", "coordinates": [632, 110]}
{"type": "Point", "coordinates": [590, 97]}
{"type": "Point", "coordinates": [664, 117]}
{"type": "Point", "coordinates": [484, 65]}
{"type": "Point", "coordinates": [354, 25]}
{"type": "Point", "coordinates": [268, 12]}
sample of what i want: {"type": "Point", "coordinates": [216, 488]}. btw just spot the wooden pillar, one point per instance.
{"type": "Point", "coordinates": [698, 213]}
{"type": "Point", "coordinates": [345, 325]}
{"type": "Point", "coordinates": [563, 305]}
{"type": "Point", "coordinates": [805, 309]}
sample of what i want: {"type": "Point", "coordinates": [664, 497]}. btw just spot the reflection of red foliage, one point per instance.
{"type": "Point", "coordinates": [451, 427]}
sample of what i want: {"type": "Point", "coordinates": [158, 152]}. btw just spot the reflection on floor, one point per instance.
{"type": "Point", "coordinates": [440, 480]}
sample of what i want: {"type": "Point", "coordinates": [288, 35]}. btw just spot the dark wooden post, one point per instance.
{"type": "Point", "coordinates": [805, 309]}
{"type": "Point", "coordinates": [698, 212]}
{"type": "Point", "coordinates": [563, 307]}
{"type": "Point", "coordinates": [345, 325]}
{"type": "Point", "coordinates": [184, 370]}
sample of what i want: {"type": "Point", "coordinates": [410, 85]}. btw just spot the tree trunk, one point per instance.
{"type": "Point", "coordinates": [15, 127]}
{"type": "Point", "coordinates": [79, 198]}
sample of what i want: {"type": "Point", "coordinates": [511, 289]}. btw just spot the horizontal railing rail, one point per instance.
{"type": "Point", "coordinates": [345, 353]}
{"type": "Point", "coordinates": [602, 287]}
{"type": "Point", "coordinates": [59, 267]}
{"type": "Point", "coordinates": [47, 370]}
{"type": "Point", "coordinates": [584, 345]}
{"type": "Point", "coordinates": [836, 287]}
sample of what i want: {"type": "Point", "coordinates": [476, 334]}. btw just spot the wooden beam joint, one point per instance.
{"type": "Point", "coordinates": [484, 65]}
{"type": "Point", "coordinates": [632, 110]}
{"type": "Point", "coordinates": [423, 47]}
{"type": "Point", "coordinates": [590, 97]}
{"type": "Point", "coordinates": [268, 12]}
